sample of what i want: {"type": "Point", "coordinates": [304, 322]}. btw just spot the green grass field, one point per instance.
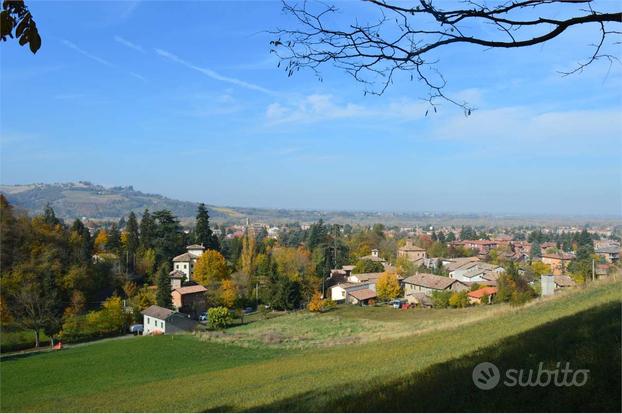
{"type": "Point", "coordinates": [430, 369]}
{"type": "Point", "coordinates": [18, 339]}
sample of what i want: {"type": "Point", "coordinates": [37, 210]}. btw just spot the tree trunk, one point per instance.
{"type": "Point", "coordinates": [36, 338]}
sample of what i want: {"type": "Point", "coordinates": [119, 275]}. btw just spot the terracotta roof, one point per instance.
{"type": "Point", "coordinates": [177, 274]}
{"type": "Point", "coordinates": [558, 256]}
{"type": "Point", "coordinates": [366, 276]}
{"type": "Point", "coordinates": [430, 281]}
{"type": "Point", "coordinates": [186, 257]}
{"type": "Point", "coordinates": [195, 247]}
{"type": "Point", "coordinates": [363, 294]}
{"type": "Point", "coordinates": [158, 312]}
{"type": "Point", "coordinates": [191, 289]}
{"type": "Point", "coordinates": [411, 248]}
{"type": "Point", "coordinates": [564, 281]}
{"type": "Point", "coordinates": [480, 293]}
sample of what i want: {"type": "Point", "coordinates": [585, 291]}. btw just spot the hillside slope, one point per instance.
{"type": "Point", "coordinates": [426, 371]}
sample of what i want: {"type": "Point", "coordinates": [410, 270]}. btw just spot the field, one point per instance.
{"type": "Point", "coordinates": [429, 369]}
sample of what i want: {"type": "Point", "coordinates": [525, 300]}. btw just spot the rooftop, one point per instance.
{"type": "Point", "coordinates": [191, 289]}
{"type": "Point", "coordinates": [430, 281]}
{"type": "Point", "coordinates": [158, 312]}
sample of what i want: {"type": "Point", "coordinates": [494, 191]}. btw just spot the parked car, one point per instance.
{"type": "Point", "coordinates": [397, 303]}
{"type": "Point", "coordinates": [203, 316]}
{"type": "Point", "coordinates": [248, 310]}
{"type": "Point", "coordinates": [137, 329]}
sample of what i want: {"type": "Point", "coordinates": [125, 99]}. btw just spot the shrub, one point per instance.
{"type": "Point", "coordinates": [316, 304]}
{"type": "Point", "coordinates": [458, 300]}
{"type": "Point", "coordinates": [441, 299]}
{"type": "Point", "coordinates": [218, 317]}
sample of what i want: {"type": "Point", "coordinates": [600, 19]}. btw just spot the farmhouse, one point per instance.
{"type": "Point", "coordinates": [360, 296]}
{"type": "Point", "coordinates": [476, 272]}
{"type": "Point", "coordinates": [476, 296]}
{"type": "Point", "coordinates": [374, 256]}
{"type": "Point", "coordinates": [413, 253]}
{"type": "Point", "coordinates": [190, 300]}
{"type": "Point", "coordinates": [185, 262]}
{"type": "Point", "coordinates": [610, 253]}
{"type": "Point", "coordinates": [158, 320]}
{"type": "Point", "coordinates": [557, 261]}
{"type": "Point", "coordinates": [427, 283]}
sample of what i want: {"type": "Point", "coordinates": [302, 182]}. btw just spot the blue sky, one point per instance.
{"type": "Point", "coordinates": [186, 101]}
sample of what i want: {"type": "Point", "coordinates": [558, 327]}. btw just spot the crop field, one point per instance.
{"type": "Point", "coordinates": [416, 372]}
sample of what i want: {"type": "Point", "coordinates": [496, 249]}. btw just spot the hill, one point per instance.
{"type": "Point", "coordinates": [428, 370]}
{"type": "Point", "coordinates": [96, 202]}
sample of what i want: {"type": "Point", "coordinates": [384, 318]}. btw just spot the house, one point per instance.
{"type": "Point", "coordinates": [340, 292]}
{"type": "Point", "coordinates": [482, 246]}
{"type": "Point", "coordinates": [158, 320]}
{"type": "Point", "coordinates": [190, 300]}
{"type": "Point", "coordinates": [360, 296]}
{"type": "Point", "coordinates": [185, 262]}
{"type": "Point", "coordinates": [476, 296]}
{"type": "Point", "coordinates": [476, 272]}
{"type": "Point", "coordinates": [364, 278]}
{"type": "Point", "coordinates": [549, 284]}
{"type": "Point", "coordinates": [419, 299]}
{"type": "Point", "coordinates": [177, 278]}
{"type": "Point", "coordinates": [413, 253]}
{"type": "Point", "coordinates": [563, 281]}
{"type": "Point", "coordinates": [610, 253]}
{"type": "Point", "coordinates": [457, 262]}
{"type": "Point", "coordinates": [428, 283]}
{"type": "Point", "coordinates": [374, 256]}
{"type": "Point", "coordinates": [557, 261]}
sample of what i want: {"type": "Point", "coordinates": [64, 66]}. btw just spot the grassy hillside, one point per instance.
{"type": "Point", "coordinates": [418, 372]}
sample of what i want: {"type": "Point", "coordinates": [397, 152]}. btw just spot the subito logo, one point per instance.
{"type": "Point", "coordinates": [486, 376]}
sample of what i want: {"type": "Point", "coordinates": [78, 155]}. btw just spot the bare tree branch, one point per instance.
{"type": "Point", "coordinates": [404, 38]}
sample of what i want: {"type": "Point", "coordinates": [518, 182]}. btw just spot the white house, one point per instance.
{"type": "Point", "coordinates": [158, 320]}
{"type": "Point", "coordinates": [476, 272]}
{"type": "Point", "coordinates": [185, 262]}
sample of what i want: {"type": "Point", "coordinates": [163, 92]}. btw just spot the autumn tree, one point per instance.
{"type": "Point", "coordinates": [387, 286]}
{"type": "Point", "coordinates": [228, 293]}
{"type": "Point", "coordinates": [367, 266]}
{"type": "Point", "coordinates": [316, 304]}
{"type": "Point", "coordinates": [248, 252]}
{"type": "Point", "coordinates": [210, 268]}
{"type": "Point", "coordinates": [101, 241]}
{"type": "Point", "coordinates": [405, 267]}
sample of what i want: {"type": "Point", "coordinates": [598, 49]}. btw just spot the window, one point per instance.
{"type": "Point", "coordinates": [162, 325]}
{"type": "Point", "coordinates": [185, 266]}
{"type": "Point", "coordinates": [148, 321]}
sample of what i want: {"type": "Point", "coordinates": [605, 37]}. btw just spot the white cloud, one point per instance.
{"type": "Point", "coordinates": [212, 74]}
{"type": "Point", "coordinates": [534, 131]}
{"type": "Point", "coordinates": [87, 54]}
{"type": "Point", "coordinates": [323, 107]}
{"type": "Point", "coordinates": [129, 44]}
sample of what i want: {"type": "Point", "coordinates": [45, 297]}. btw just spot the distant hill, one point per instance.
{"type": "Point", "coordinates": [96, 202]}
{"type": "Point", "coordinates": [84, 199]}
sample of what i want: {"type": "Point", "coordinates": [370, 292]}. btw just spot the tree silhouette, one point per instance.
{"type": "Point", "coordinates": [17, 22]}
{"type": "Point", "coordinates": [406, 35]}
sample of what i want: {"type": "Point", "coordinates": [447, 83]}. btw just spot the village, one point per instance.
{"type": "Point", "coordinates": [474, 278]}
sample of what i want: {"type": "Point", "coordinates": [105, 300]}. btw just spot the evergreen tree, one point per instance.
{"type": "Point", "coordinates": [49, 217]}
{"type": "Point", "coordinates": [168, 238]}
{"type": "Point", "coordinates": [132, 241]}
{"type": "Point", "coordinates": [536, 251]}
{"type": "Point", "coordinates": [163, 293]}
{"type": "Point", "coordinates": [451, 237]}
{"type": "Point", "coordinates": [467, 233]}
{"type": "Point", "coordinates": [147, 230]}
{"type": "Point", "coordinates": [202, 232]}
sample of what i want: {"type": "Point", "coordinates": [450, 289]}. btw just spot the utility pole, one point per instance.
{"type": "Point", "coordinates": [592, 269]}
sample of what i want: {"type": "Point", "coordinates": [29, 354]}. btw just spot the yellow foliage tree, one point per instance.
{"type": "Point", "coordinates": [387, 286]}
{"type": "Point", "coordinates": [229, 293]}
{"type": "Point", "coordinates": [541, 268]}
{"type": "Point", "coordinates": [101, 240]}
{"type": "Point", "coordinates": [248, 252]}
{"type": "Point", "coordinates": [295, 263]}
{"type": "Point", "coordinates": [316, 304]}
{"type": "Point", "coordinates": [210, 267]}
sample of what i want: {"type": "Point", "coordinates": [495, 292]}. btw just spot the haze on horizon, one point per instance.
{"type": "Point", "coordinates": [200, 112]}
